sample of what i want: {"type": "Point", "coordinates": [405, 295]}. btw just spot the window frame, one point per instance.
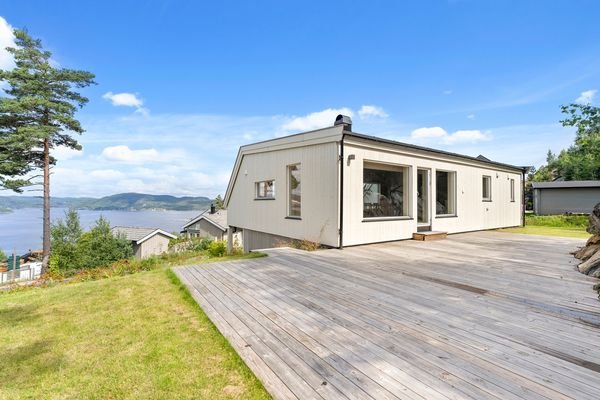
{"type": "Point", "coordinates": [451, 195]}
{"type": "Point", "coordinates": [406, 183]}
{"type": "Point", "coordinates": [512, 190]}
{"type": "Point", "coordinates": [289, 191]}
{"type": "Point", "coordinates": [257, 194]}
{"type": "Point", "coordinates": [489, 187]}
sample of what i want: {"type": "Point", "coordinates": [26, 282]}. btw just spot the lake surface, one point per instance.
{"type": "Point", "coordinates": [22, 228]}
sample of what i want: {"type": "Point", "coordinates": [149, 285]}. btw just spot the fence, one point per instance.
{"type": "Point", "coordinates": [27, 272]}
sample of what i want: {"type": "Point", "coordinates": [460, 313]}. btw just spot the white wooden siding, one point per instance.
{"type": "Point", "coordinates": [472, 212]}
{"type": "Point", "coordinates": [319, 180]}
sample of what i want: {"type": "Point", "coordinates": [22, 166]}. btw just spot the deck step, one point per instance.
{"type": "Point", "coordinates": [430, 235]}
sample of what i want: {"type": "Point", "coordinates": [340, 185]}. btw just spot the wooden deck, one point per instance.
{"type": "Point", "coordinates": [479, 315]}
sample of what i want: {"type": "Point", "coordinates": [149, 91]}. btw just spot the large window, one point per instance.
{"type": "Point", "coordinates": [445, 193]}
{"type": "Point", "coordinates": [294, 191]}
{"type": "Point", "coordinates": [486, 183]}
{"type": "Point", "coordinates": [265, 190]}
{"type": "Point", "coordinates": [385, 190]}
{"type": "Point", "coordinates": [512, 190]}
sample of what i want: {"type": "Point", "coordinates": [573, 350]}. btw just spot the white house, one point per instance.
{"type": "Point", "coordinates": [146, 242]}
{"type": "Point", "coordinates": [341, 188]}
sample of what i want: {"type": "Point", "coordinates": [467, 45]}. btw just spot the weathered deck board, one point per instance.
{"type": "Point", "coordinates": [479, 316]}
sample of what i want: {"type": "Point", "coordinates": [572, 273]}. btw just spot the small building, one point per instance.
{"type": "Point", "coordinates": [340, 188]}
{"type": "Point", "coordinates": [211, 223]}
{"type": "Point", "coordinates": [146, 242]}
{"type": "Point", "coordinates": [560, 197]}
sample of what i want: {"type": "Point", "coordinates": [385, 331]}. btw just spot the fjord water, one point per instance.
{"type": "Point", "coordinates": [22, 229]}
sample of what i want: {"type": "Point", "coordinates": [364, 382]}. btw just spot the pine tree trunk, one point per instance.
{"type": "Point", "coordinates": [46, 218]}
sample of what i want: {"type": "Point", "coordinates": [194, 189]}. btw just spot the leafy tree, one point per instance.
{"type": "Point", "coordinates": [581, 161]}
{"type": "Point", "coordinates": [3, 257]}
{"type": "Point", "coordinates": [65, 236]}
{"type": "Point", "coordinates": [100, 247]}
{"type": "Point", "coordinates": [37, 116]}
{"type": "Point", "coordinates": [218, 202]}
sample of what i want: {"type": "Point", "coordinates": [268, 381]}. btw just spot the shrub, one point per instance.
{"type": "Point", "coordinates": [73, 249]}
{"type": "Point", "coordinates": [217, 248]}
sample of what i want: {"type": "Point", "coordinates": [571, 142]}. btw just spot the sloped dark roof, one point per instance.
{"type": "Point", "coordinates": [138, 234]}
{"type": "Point", "coordinates": [564, 184]}
{"type": "Point", "coordinates": [218, 219]}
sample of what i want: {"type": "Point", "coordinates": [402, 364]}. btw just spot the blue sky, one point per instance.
{"type": "Point", "coordinates": [182, 84]}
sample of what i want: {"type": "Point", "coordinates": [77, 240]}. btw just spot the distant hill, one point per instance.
{"type": "Point", "coordinates": [121, 201]}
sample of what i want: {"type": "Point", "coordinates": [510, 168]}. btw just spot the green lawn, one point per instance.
{"type": "Point", "coordinates": [549, 231]}
{"type": "Point", "coordinates": [139, 336]}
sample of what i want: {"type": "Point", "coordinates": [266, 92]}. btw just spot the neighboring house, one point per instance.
{"type": "Point", "coordinates": [211, 223]}
{"type": "Point", "coordinates": [146, 242]}
{"type": "Point", "coordinates": [560, 197]}
{"type": "Point", "coordinates": [341, 188]}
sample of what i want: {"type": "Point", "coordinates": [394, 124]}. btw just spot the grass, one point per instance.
{"type": "Point", "coordinates": [139, 336]}
{"type": "Point", "coordinates": [553, 225]}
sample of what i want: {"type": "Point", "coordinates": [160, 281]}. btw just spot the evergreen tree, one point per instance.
{"type": "Point", "coordinates": [218, 202]}
{"type": "Point", "coordinates": [37, 116]}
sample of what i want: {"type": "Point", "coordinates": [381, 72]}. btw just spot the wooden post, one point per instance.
{"type": "Point", "coordinates": [229, 239]}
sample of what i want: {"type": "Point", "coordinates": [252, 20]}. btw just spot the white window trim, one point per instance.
{"type": "Point", "coordinates": [454, 175]}
{"type": "Point", "coordinates": [289, 192]}
{"type": "Point", "coordinates": [256, 190]}
{"type": "Point", "coordinates": [489, 198]}
{"type": "Point", "coordinates": [406, 181]}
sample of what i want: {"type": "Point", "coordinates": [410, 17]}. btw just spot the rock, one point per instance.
{"type": "Point", "coordinates": [594, 221]}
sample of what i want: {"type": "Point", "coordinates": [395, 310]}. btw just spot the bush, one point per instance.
{"type": "Point", "coordinates": [73, 249]}
{"type": "Point", "coordinates": [558, 221]}
{"type": "Point", "coordinates": [217, 248]}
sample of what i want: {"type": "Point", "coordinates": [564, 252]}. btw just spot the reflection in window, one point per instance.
{"type": "Point", "coordinates": [445, 193]}
{"type": "Point", "coordinates": [487, 188]}
{"type": "Point", "coordinates": [265, 190]}
{"type": "Point", "coordinates": [385, 191]}
{"type": "Point", "coordinates": [295, 193]}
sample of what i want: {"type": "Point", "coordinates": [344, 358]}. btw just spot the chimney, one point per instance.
{"type": "Point", "coordinates": [212, 208]}
{"type": "Point", "coordinates": [344, 120]}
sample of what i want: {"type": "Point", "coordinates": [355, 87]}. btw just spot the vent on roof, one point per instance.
{"type": "Point", "coordinates": [344, 120]}
{"type": "Point", "coordinates": [483, 158]}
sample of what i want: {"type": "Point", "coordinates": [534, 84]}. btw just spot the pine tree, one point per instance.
{"type": "Point", "coordinates": [37, 116]}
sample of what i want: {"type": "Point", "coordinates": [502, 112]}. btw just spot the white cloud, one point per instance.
{"type": "Point", "coordinates": [459, 136]}
{"type": "Point", "coordinates": [471, 116]}
{"type": "Point", "coordinates": [124, 154]}
{"type": "Point", "coordinates": [66, 153]}
{"type": "Point", "coordinates": [107, 174]}
{"type": "Point", "coordinates": [127, 100]}
{"type": "Point", "coordinates": [372, 111]}
{"type": "Point", "coordinates": [433, 132]}
{"type": "Point", "coordinates": [586, 97]}
{"type": "Point", "coordinates": [7, 39]}
{"type": "Point", "coordinates": [467, 136]}
{"type": "Point", "coordinates": [315, 120]}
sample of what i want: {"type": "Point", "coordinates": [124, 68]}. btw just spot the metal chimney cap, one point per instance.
{"type": "Point", "coordinates": [343, 120]}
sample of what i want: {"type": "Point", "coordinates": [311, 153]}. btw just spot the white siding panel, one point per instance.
{"type": "Point", "coordinates": [319, 193]}
{"type": "Point", "coordinates": [472, 212]}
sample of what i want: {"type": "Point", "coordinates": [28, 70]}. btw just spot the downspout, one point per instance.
{"type": "Point", "coordinates": [341, 161]}
{"type": "Point", "coordinates": [523, 201]}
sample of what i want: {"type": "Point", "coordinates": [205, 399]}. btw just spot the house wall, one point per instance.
{"type": "Point", "coordinates": [554, 201]}
{"type": "Point", "coordinates": [319, 206]}
{"type": "Point", "coordinates": [472, 212]}
{"type": "Point", "coordinates": [157, 244]}
{"type": "Point", "coordinates": [204, 228]}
